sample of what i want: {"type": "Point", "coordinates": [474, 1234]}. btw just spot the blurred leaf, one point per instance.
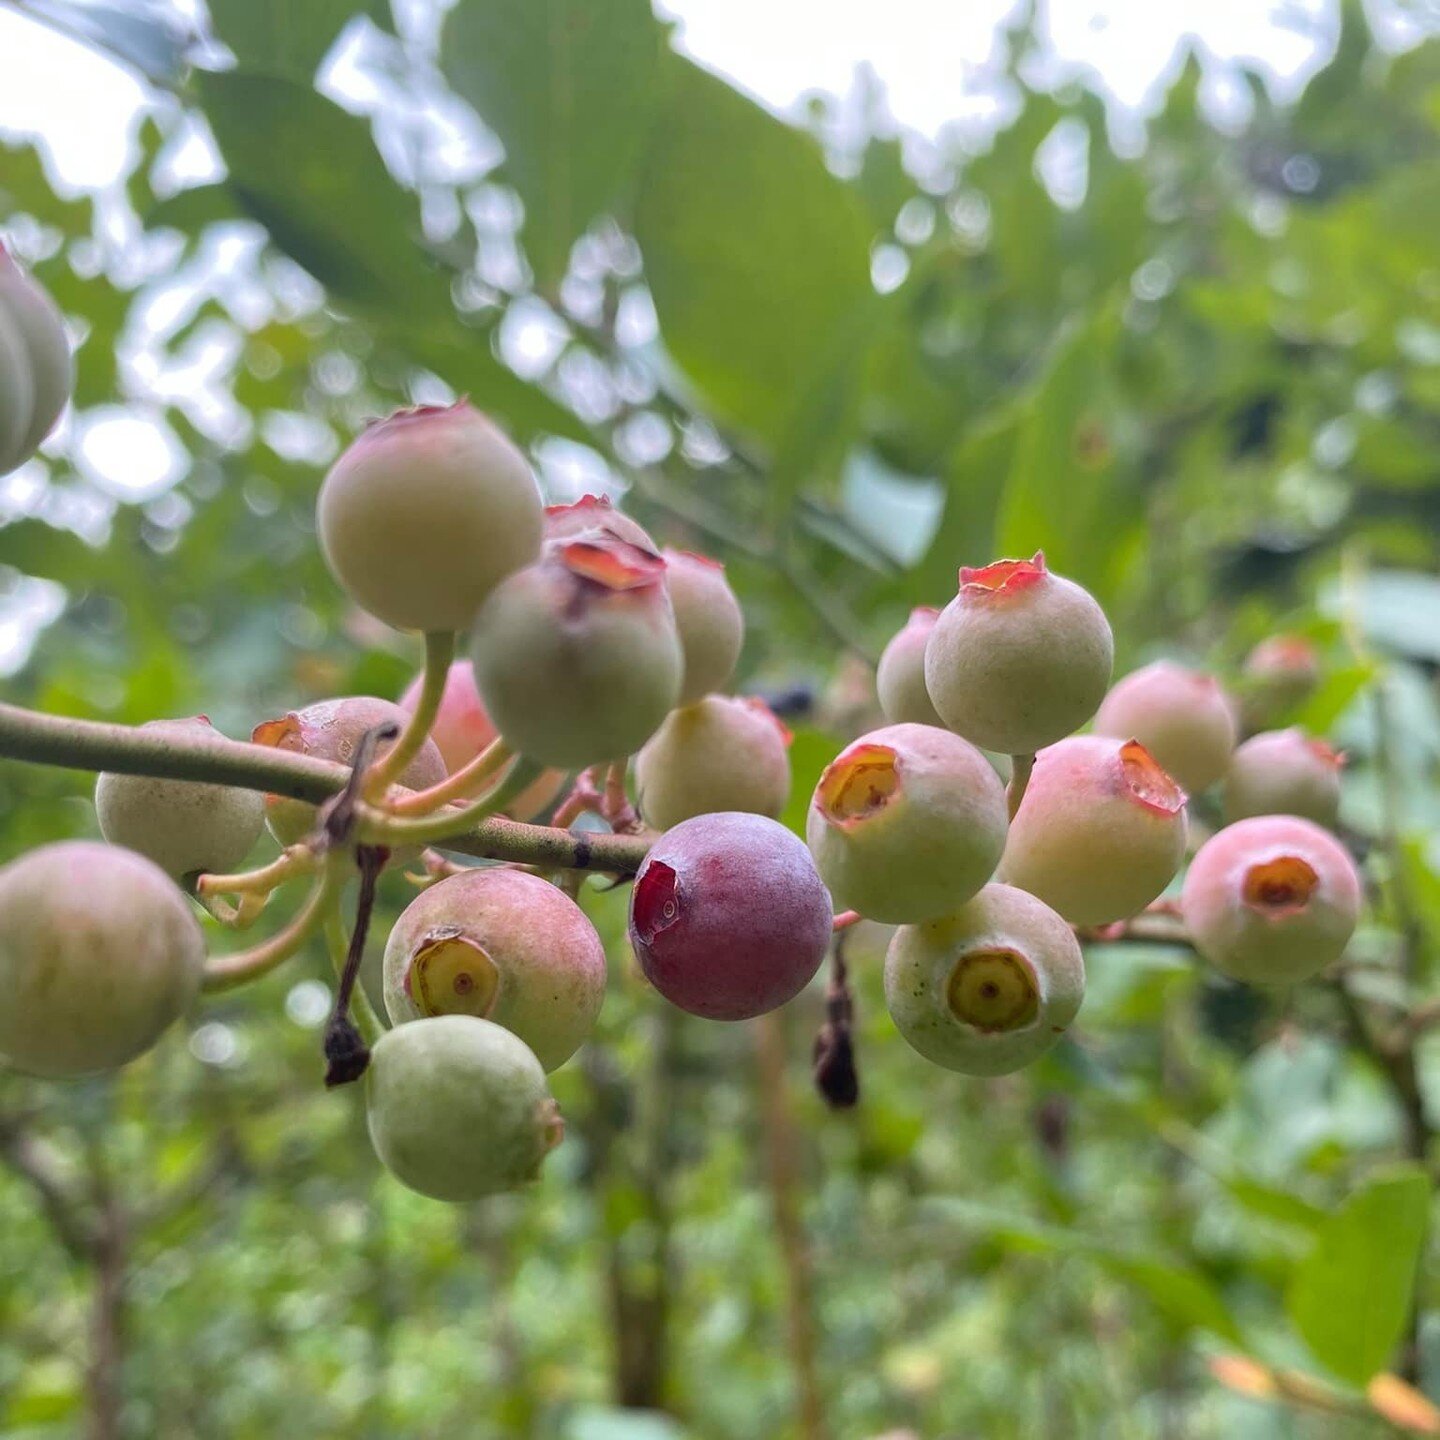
{"type": "Point", "coordinates": [279, 37]}
{"type": "Point", "coordinates": [1351, 1297]}
{"type": "Point", "coordinates": [810, 752]}
{"type": "Point", "coordinates": [755, 254]}
{"type": "Point", "coordinates": [571, 88]}
{"type": "Point", "coordinates": [333, 206]}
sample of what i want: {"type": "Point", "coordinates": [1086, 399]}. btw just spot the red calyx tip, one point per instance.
{"type": "Point", "coordinates": [698, 558]}
{"type": "Point", "coordinates": [585, 502]}
{"type": "Point", "coordinates": [1003, 577]}
{"type": "Point", "coordinates": [612, 563]}
{"type": "Point", "coordinates": [1148, 781]}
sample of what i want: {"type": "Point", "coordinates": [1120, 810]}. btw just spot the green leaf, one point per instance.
{"type": "Point", "coordinates": [1351, 1297]}
{"type": "Point", "coordinates": [279, 37]}
{"type": "Point", "coordinates": [1061, 490]}
{"type": "Point", "coordinates": [810, 752]}
{"type": "Point", "coordinates": [756, 255]}
{"type": "Point", "coordinates": [331, 205]}
{"type": "Point", "coordinates": [571, 88]}
{"type": "Point", "coordinates": [335, 209]}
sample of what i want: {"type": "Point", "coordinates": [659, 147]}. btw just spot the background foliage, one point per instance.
{"type": "Point", "coordinates": [1200, 371]}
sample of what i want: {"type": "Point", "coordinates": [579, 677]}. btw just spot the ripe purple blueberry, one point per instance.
{"type": "Point", "coordinates": [988, 989]}
{"type": "Point", "coordinates": [1182, 717]}
{"type": "Point", "coordinates": [1100, 833]}
{"type": "Point", "coordinates": [907, 823]}
{"type": "Point", "coordinates": [1284, 772]}
{"type": "Point", "coordinates": [900, 676]}
{"type": "Point", "coordinates": [1019, 658]}
{"type": "Point", "coordinates": [728, 917]}
{"type": "Point", "coordinates": [99, 954]}
{"type": "Point", "coordinates": [577, 657]}
{"type": "Point", "coordinates": [1272, 899]}
{"type": "Point", "coordinates": [426, 513]}
{"type": "Point", "coordinates": [722, 752]}
{"type": "Point", "coordinates": [503, 945]}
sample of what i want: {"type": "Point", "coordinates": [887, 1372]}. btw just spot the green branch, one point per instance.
{"type": "Point", "coordinates": [92, 745]}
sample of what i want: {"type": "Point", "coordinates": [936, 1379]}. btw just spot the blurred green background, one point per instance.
{"type": "Point", "coordinates": [1199, 364]}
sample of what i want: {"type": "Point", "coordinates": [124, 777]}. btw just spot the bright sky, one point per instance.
{"type": "Point", "coordinates": [925, 54]}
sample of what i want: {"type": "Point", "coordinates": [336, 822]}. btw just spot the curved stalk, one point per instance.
{"type": "Point", "coordinates": [439, 652]}
{"type": "Point", "coordinates": [227, 972]}
{"type": "Point", "coordinates": [460, 786]}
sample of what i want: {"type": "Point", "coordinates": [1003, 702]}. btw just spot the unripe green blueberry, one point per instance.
{"type": "Point", "coordinates": [331, 730]}
{"type": "Point", "coordinates": [594, 512]}
{"type": "Point", "coordinates": [426, 513]}
{"type": "Point", "coordinates": [722, 752]}
{"type": "Point", "coordinates": [182, 825]}
{"type": "Point", "coordinates": [99, 954]}
{"type": "Point", "coordinates": [709, 619]}
{"type": "Point", "coordinates": [988, 989]}
{"type": "Point", "coordinates": [1280, 673]}
{"type": "Point", "coordinates": [506, 946]}
{"type": "Point", "coordinates": [576, 656]}
{"type": "Point", "coordinates": [1272, 899]}
{"type": "Point", "coordinates": [728, 916]}
{"type": "Point", "coordinates": [1100, 832]}
{"type": "Point", "coordinates": [37, 371]}
{"type": "Point", "coordinates": [900, 676]}
{"type": "Point", "coordinates": [463, 729]}
{"type": "Point", "coordinates": [907, 823]}
{"type": "Point", "coordinates": [459, 1108]}
{"type": "Point", "coordinates": [1019, 658]}
{"type": "Point", "coordinates": [1284, 772]}
{"type": "Point", "coordinates": [1182, 717]}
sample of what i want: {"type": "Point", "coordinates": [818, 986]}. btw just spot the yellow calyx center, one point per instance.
{"type": "Point", "coordinates": [1281, 886]}
{"type": "Point", "coordinates": [450, 975]}
{"type": "Point", "coordinates": [993, 990]}
{"type": "Point", "coordinates": [858, 784]}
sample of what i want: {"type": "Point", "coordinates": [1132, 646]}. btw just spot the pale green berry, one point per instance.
{"type": "Point", "coordinates": [1272, 899]}
{"type": "Point", "coordinates": [988, 989]}
{"type": "Point", "coordinates": [184, 826]}
{"type": "Point", "coordinates": [99, 953]}
{"type": "Point", "coordinates": [1100, 832]}
{"type": "Point", "coordinates": [506, 946]}
{"type": "Point", "coordinates": [907, 823]}
{"type": "Point", "coordinates": [722, 752]}
{"type": "Point", "coordinates": [1284, 772]}
{"type": "Point", "coordinates": [458, 1108]}
{"type": "Point", "coordinates": [576, 657]}
{"type": "Point", "coordinates": [708, 618]}
{"type": "Point", "coordinates": [1019, 658]}
{"type": "Point", "coordinates": [1182, 717]}
{"type": "Point", "coordinates": [900, 675]}
{"type": "Point", "coordinates": [426, 513]}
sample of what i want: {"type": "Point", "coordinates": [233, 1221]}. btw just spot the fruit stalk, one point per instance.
{"type": "Point", "coordinates": [439, 652]}
{"type": "Point", "coordinates": [226, 972]}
